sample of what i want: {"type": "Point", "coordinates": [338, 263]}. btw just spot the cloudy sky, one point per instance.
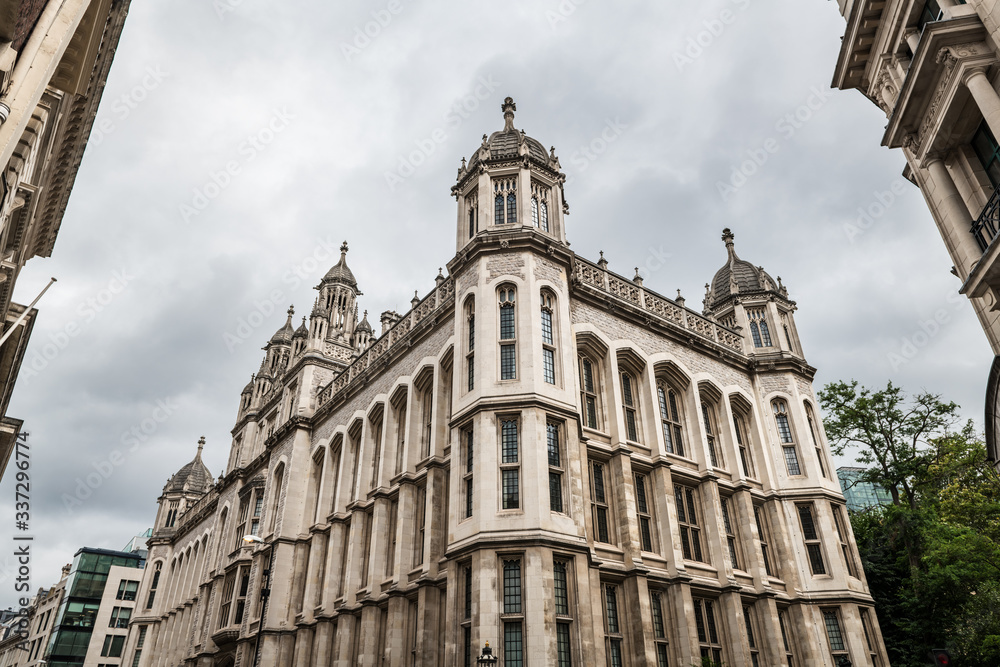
{"type": "Point", "coordinates": [240, 141]}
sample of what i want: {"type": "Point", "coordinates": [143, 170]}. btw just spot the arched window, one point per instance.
{"type": "Point", "coordinates": [498, 210]}
{"type": "Point", "coordinates": [780, 409]}
{"type": "Point", "coordinates": [813, 431]}
{"type": "Point", "coordinates": [470, 356]}
{"type": "Point", "coordinates": [315, 484]}
{"type": "Point", "coordinates": [758, 327]}
{"type": "Point", "coordinates": [588, 392]}
{"type": "Point", "coordinates": [276, 481]}
{"type": "Point", "coordinates": [544, 217]}
{"type": "Point", "coordinates": [670, 419]}
{"type": "Point", "coordinates": [548, 340]}
{"type": "Point", "coordinates": [508, 334]}
{"type": "Point", "coordinates": [472, 222]}
{"type": "Point", "coordinates": [534, 211]}
{"type": "Point", "coordinates": [743, 442]}
{"type": "Point", "coordinates": [154, 584]}
{"type": "Point", "coordinates": [630, 405]}
{"type": "Point", "coordinates": [512, 208]}
{"type": "Point", "coordinates": [708, 416]}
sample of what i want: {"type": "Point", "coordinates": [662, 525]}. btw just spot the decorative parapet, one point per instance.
{"type": "Point", "coordinates": [392, 340]}
{"type": "Point", "coordinates": [669, 312]}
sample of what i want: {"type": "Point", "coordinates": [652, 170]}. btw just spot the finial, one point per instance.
{"type": "Point", "coordinates": [603, 263]}
{"type": "Point", "coordinates": [679, 299]}
{"type": "Point", "coordinates": [343, 249]}
{"type": "Point", "coordinates": [463, 163]}
{"type": "Point", "coordinates": [415, 300]}
{"type": "Point", "coordinates": [366, 315]}
{"type": "Point", "coordinates": [291, 311]}
{"type": "Point", "coordinates": [201, 446]}
{"type": "Point", "coordinates": [303, 320]}
{"type": "Point", "coordinates": [637, 279]}
{"type": "Point", "coordinates": [552, 152]}
{"type": "Point", "coordinates": [728, 237]}
{"type": "Point", "coordinates": [508, 107]}
{"type": "Point", "coordinates": [485, 141]}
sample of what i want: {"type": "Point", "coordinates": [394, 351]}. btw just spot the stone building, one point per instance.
{"type": "Point", "coordinates": [541, 454]}
{"type": "Point", "coordinates": [55, 57]}
{"type": "Point", "coordinates": [932, 67]}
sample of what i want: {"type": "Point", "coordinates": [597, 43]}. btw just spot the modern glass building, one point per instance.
{"type": "Point", "coordinates": [859, 494]}
{"type": "Point", "coordinates": [78, 611]}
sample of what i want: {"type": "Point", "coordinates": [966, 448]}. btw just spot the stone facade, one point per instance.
{"type": "Point", "coordinates": [932, 66]}
{"type": "Point", "coordinates": [541, 454]}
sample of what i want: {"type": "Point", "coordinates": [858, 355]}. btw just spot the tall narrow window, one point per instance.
{"type": "Point", "coordinates": [172, 514]}
{"type": "Point", "coordinates": [838, 648]}
{"type": "Point", "coordinates": [544, 217]}
{"type": "Point", "coordinates": [600, 503]}
{"type": "Point", "coordinates": [555, 466]}
{"type": "Point", "coordinates": [816, 442]}
{"type": "Point", "coordinates": [534, 211]}
{"type": "Point", "coordinates": [659, 629]}
{"type": "Point", "coordinates": [613, 626]}
{"type": "Point", "coordinates": [687, 518]}
{"type": "Point", "coordinates": [782, 623]}
{"type": "Point", "coordinates": [468, 651]}
{"type": "Point", "coordinates": [707, 414]}
{"type": "Point", "coordinates": [729, 525]}
{"type": "Point", "coordinates": [510, 469]}
{"type": "Point", "coordinates": [377, 450]}
{"type": "Point", "coordinates": [508, 334]}
{"type": "Point", "coordinates": [470, 356]}
{"type": "Point", "coordinates": [670, 420]}
{"type": "Point", "coordinates": [988, 151]}
{"type": "Point", "coordinates": [139, 643]}
{"type": "Point", "coordinates": [469, 446]}
{"type": "Point", "coordinates": [764, 538]}
{"type": "Point", "coordinates": [548, 341]}
{"type": "Point", "coordinates": [426, 420]}
{"type": "Point", "coordinates": [845, 546]}
{"type": "Point", "coordinates": [645, 516]}
{"type": "Point", "coordinates": [588, 393]}
{"type": "Point", "coordinates": [498, 210]}
{"type": "Point", "coordinates": [420, 519]}
{"type": "Point", "coordinates": [513, 615]}
{"type": "Point", "coordinates": [390, 557]}
{"type": "Point", "coordinates": [153, 584]}
{"type": "Point", "coordinates": [126, 591]}
{"type": "Point", "coordinates": [869, 628]}
{"type": "Point", "coordinates": [758, 327]}
{"type": "Point", "coordinates": [746, 458]}
{"type": "Point", "coordinates": [564, 653]}
{"type": "Point", "coordinates": [241, 525]}
{"type": "Point", "coordinates": [785, 433]}
{"type": "Point", "coordinates": [276, 482]}
{"type": "Point", "coordinates": [629, 406]}
{"type": "Point", "coordinates": [750, 622]}
{"type": "Point", "coordinates": [258, 510]}
{"type": "Point", "coordinates": [512, 208]}
{"type": "Point", "coordinates": [241, 594]}
{"type": "Point", "coordinates": [400, 434]}
{"type": "Point", "coordinates": [708, 633]}
{"type": "Point", "coordinates": [228, 588]}
{"type": "Point", "coordinates": [472, 222]}
{"type": "Point", "coordinates": [811, 537]}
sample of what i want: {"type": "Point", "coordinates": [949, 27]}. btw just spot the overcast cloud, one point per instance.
{"type": "Point", "coordinates": [240, 140]}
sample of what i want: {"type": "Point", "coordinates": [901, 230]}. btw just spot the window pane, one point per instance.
{"type": "Point", "coordinates": [792, 461]}
{"type": "Point", "coordinates": [547, 327]}
{"type": "Point", "coordinates": [602, 525]}
{"type": "Point", "coordinates": [555, 492]}
{"type": "Point", "coordinates": [511, 491]}
{"type": "Point", "coordinates": [833, 630]}
{"type": "Point", "coordinates": [599, 495]}
{"type": "Point", "coordinates": [512, 208]}
{"type": "Point", "coordinates": [562, 645]}
{"type": "Point", "coordinates": [508, 441]}
{"type": "Point", "coordinates": [658, 629]}
{"type": "Point", "coordinates": [552, 442]}
{"type": "Point", "coordinates": [549, 366]}
{"type": "Point", "coordinates": [498, 210]}
{"type": "Point", "coordinates": [816, 559]}
{"type": "Point", "coordinates": [512, 587]}
{"type": "Point", "coordinates": [507, 321]}
{"type": "Point", "coordinates": [513, 645]}
{"type": "Point", "coordinates": [508, 362]}
{"type": "Point", "coordinates": [808, 527]}
{"type": "Point", "coordinates": [611, 601]}
{"type": "Point", "coordinates": [562, 595]}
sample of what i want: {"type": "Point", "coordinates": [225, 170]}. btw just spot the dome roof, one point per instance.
{"type": "Point", "coordinates": [193, 477]}
{"type": "Point", "coordinates": [283, 336]}
{"type": "Point", "coordinates": [249, 388]}
{"type": "Point", "coordinates": [302, 331]}
{"type": "Point", "coordinates": [738, 276]}
{"type": "Point", "coordinates": [339, 272]}
{"type": "Point", "coordinates": [363, 325]}
{"type": "Point", "coordinates": [507, 142]}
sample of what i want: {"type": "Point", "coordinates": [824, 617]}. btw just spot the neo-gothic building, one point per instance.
{"type": "Point", "coordinates": [540, 454]}
{"type": "Point", "coordinates": [932, 66]}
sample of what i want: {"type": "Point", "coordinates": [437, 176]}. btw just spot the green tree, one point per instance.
{"type": "Point", "coordinates": [932, 557]}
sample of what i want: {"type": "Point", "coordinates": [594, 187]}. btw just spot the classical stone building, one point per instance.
{"type": "Point", "coordinates": [932, 67]}
{"type": "Point", "coordinates": [541, 454]}
{"type": "Point", "coordinates": [55, 56]}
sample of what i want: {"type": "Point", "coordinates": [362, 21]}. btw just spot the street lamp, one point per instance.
{"type": "Point", "coordinates": [487, 658]}
{"type": "Point", "coordinates": [265, 591]}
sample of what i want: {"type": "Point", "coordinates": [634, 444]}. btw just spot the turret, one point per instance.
{"type": "Point", "coordinates": [745, 296]}
{"type": "Point", "coordinates": [182, 490]}
{"type": "Point", "coordinates": [510, 182]}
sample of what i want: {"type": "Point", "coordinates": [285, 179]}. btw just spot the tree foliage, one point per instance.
{"type": "Point", "coordinates": [932, 557]}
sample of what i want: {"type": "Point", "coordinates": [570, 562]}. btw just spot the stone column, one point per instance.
{"type": "Point", "coordinates": [956, 223]}
{"type": "Point", "coordinates": [323, 643]}
{"type": "Point", "coordinates": [986, 97]}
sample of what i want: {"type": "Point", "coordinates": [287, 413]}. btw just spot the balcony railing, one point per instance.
{"type": "Point", "coordinates": [985, 227]}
